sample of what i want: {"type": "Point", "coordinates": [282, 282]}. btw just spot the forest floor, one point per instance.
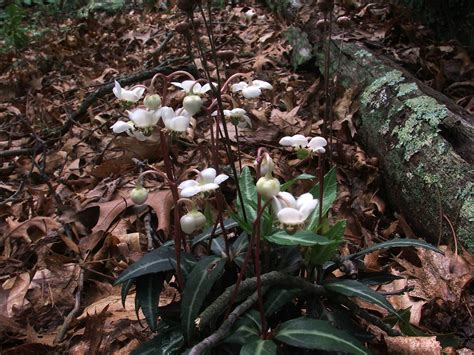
{"type": "Point", "coordinates": [66, 228]}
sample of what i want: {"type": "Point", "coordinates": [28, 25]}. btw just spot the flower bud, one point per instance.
{"type": "Point", "coordinates": [267, 165]}
{"type": "Point", "coordinates": [139, 194]}
{"type": "Point", "coordinates": [268, 187]}
{"type": "Point", "coordinates": [192, 221]}
{"type": "Point", "coordinates": [152, 102]}
{"type": "Point", "coordinates": [192, 104]}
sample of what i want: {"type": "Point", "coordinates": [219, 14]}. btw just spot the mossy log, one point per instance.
{"type": "Point", "coordinates": [424, 141]}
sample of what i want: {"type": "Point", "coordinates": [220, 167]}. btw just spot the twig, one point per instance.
{"type": "Point", "coordinates": [17, 152]}
{"type": "Point", "coordinates": [70, 317]}
{"type": "Point", "coordinates": [224, 329]}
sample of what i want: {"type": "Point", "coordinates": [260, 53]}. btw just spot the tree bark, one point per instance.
{"type": "Point", "coordinates": [424, 141]}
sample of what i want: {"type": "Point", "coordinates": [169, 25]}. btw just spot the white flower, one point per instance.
{"type": "Point", "coordinates": [237, 114]}
{"type": "Point", "coordinates": [298, 141]}
{"type": "Point", "coordinates": [267, 165]}
{"type": "Point", "coordinates": [251, 91]}
{"type": "Point", "coordinates": [304, 53]}
{"type": "Point", "coordinates": [177, 121]}
{"type": "Point", "coordinates": [205, 181]}
{"type": "Point", "coordinates": [291, 211]}
{"type": "Point", "coordinates": [192, 221]}
{"type": "Point", "coordinates": [249, 14]}
{"type": "Point", "coordinates": [128, 95]}
{"type": "Point", "coordinates": [129, 128]}
{"type": "Point", "coordinates": [317, 144]}
{"type": "Point", "coordinates": [142, 118]}
{"type": "Point", "coordinates": [193, 87]}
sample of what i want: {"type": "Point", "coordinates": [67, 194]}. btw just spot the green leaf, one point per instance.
{"type": "Point", "coordinates": [395, 243]}
{"type": "Point", "coordinates": [329, 196]}
{"type": "Point", "coordinates": [148, 293]}
{"type": "Point", "coordinates": [377, 278]}
{"type": "Point", "coordinates": [318, 255]}
{"type": "Point", "coordinates": [259, 347]}
{"type": "Point", "coordinates": [240, 245]}
{"type": "Point", "coordinates": [353, 288]}
{"type": "Point", "coordinates": [249, 195]}
{"type": "Point", "coordinates": [246, 329]}
{"type": "Point", "coordinates": [152, 262]}
{"type": "Point", "coordinates": [228, 224]}
{"type": "Point", "coordinates": [199, 284]}
{"type": "Point", "coordinates": [291, 182]}
{"type": "Point", "coordinates": [218, 247]}
{"type": "Point", "coordinates": [305, 238]}
{"type": "Point", "coordinates": [125, 288]}
{"type": "Point", "coordinates": [309, 333]}
{"type": "Point", "coordinates": [277, 298]}
{"type": "Point", "coordinates": [167, 342]}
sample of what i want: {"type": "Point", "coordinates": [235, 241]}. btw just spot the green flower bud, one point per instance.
{"type": "Point", "coordinates": [192, 104]}
{"type": "Point", "coordinates": [268, 187]}
{"type": "Point", "coordinates": [192, 221]}
{"type": "Point", "coordinates": [139, 195]}
{"type": "Point", "coordinates": [152, 102]}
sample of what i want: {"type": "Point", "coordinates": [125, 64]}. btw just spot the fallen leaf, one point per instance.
{"type": "Point", "coordinates": [412, 345]}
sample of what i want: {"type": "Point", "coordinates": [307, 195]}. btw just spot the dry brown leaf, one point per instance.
{"type": "Point", "coordinates": [162, 202]}
{"type": "Point", "coordinates": [441, 276]}
{"type": "Point", "coordinates": [412, 345]}
{"type": "Point", "coordinates": [289, 122]}
{"type": "Point", "coordinates": [108, 211]}
{"type": "Point", "coordinates": [31, 229]}
{"type": "Point", "coordinates": [115, 311]}
{"type": "Point", "coordinates": [17, 287]}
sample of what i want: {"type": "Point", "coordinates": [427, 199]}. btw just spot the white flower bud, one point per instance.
{"type": "Point", "coordinates": [192, 104]}
{"type": "Point", "coordinates": [267, 165]}
{"type": "Point", "coordinates": [152, 102]}
{"type": "Point", "coordinates": [192, 221]}
{"type": "Point", "coordinates": [268, 187]}
{"type": "Point", "coordinates": [139, 195]}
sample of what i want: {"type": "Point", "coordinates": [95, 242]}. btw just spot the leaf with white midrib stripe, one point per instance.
{"type": "Point", "coordinates": [305, 238]}
{"type": "Point", "coordinates": [199, 284]}
{"type": "Point", "coordinates": [353, 288]}
{"type": "Point", "coordinates": [308, 333]}
{"type": "Point", "coordinates": [259, 347]}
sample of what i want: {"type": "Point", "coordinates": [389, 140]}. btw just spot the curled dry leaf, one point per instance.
{"type": "Point", "coordinates": [16, 288]}
{"type": "Point", "coordinates": [31, 229]}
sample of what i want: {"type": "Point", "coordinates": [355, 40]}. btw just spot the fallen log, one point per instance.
{"type": "Point", "coordinates": [424, 141]}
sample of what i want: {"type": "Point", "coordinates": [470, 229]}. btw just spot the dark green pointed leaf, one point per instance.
{"type": "Point", "coordinates": [249, 195]}
{"type": "Point", "coordinates": [309, 333]}
{"type": "Point", "coordinates": [277, 298]}
{"type": "Point", "coordinates": [167, 342]}
{"type": "Point", "coordinates": [125, 288]}
{"type": "Point", "coordinates": [329, 196]}
{"type": "Point", "coordinates": [228, 224]}
{"type": "Point", "coordinates": [395, 243]}
{"type": "Point", "coordinates": [218, 247]}
{"type": "Point", "coordinates": [319, 254]}
{"type": "Point", "coordinates": [152, 262]}
{"type": "Point", "coordinates": [305, 238]}
{"type": "Point", "coordinates": [246, 329]}
{"type": "Point", "coordinates": [290, 183]}
{"type": "Point", "coordinates": [353, 288]}
{"type": "Point", "coordinates": [148, 293]}
{"type": "Point", "coordinates": [199, 284]}
{"type": "Point", "coordinates": [259, 347]}
{"type": "Point", "coordinates": [241, 244]}
{"type": "Point", "coordinates": [377, 278]}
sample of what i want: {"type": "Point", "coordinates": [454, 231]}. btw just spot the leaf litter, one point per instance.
{"type": "Point", "coordinates": [81, 178]}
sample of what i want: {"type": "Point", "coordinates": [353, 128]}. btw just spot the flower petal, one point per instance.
{"type": "Point", "coordinates": [190, 191]}
{"type": "Point", "coordinates": [239, 86]}
{"type": "Point", "coordinates": [299, 141]}
{"type": "Point", "coordinates": [290, 216]}
{"type": "Point", "coordinates": [251, 92]}
{"type": "Point", "coordinates": [304, 199]}
{"type": "Point", "coordinates": [141, 118]}
{"type": "Point", "coordinates": [167, 113]}
{"type": "Point", "coordinates": [288, 200]}
{"type": "Point", "coordinates": [317, 144]}
{"type": "Point", "coordinates": [308, 207]}
{"type": "Point", "coordinates": [138, 91]}
{"type": "Point", "coordinates": [220, 178]}
{"type": "Point", "coordinates": [262, 84]}
{"type": "Point", "coordinates": [117, 90]}
{"type": "Point", "coordinates": [187, 183]}
{"type": "Point", "coordinates": [177, 84]}
{"type": "Point", "coordinates": [286, 141]}
{"type": "Point", "coordinates": [207, 176]}
{"type": "Point", "coordinates": [121, 126]}
{"type": "Point", "coordinates": [188, 84]}
{"type": "Point", "coordinates": [209, 187]}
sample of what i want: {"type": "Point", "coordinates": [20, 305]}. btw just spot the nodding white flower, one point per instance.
{"type": "Point", "coordinates": [298, 141]}
{"type": "Point", "coordinates": [206, 180]}
{"type": "Point", "coordinates": [267, 165]}
{"type": "Point", "coordinates": [128, 95]}
{"type": "Point", "coordinates": [268, 187]}
{"type": "Point", "coordinates": [251, 91]}
{"type": "Point", "coordinates": [142, 118]}
{"type": "Point", "coordinates": [291, 211]}
{"type": "Point", "coordinates": [139, 195]}
{"type": "Point", "coordinates": [238, 116]}
{"type": "Point", "coordinates": [192, 221]}
{"type": "Point", "coordinates": [317, 145]}
{"type": "Point", "coordinates": [129, 128]}
{"type": "Point", "coordinates": [193, 87]}
{"type": "Point", "coordinates": [177, 121]}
